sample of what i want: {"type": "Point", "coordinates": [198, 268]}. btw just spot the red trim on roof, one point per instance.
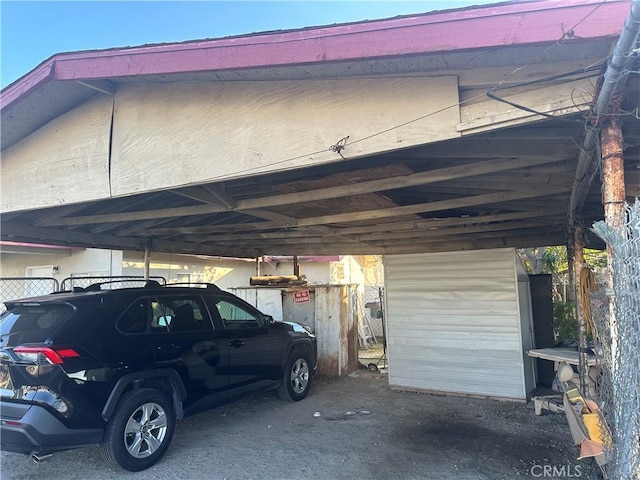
{"type": "Point", "coordinates": [500, 25]}
{"type": "Point", "coordinates": [511, 24]}
{"type": "Point", "coordinates": [40, 75]}
{"type": "Point", "coordinates": [37, 245]}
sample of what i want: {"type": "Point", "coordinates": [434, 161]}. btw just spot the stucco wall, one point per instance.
{"type": "Point", "coordinates": [90, 261]}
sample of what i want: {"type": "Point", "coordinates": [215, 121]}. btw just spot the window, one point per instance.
{"type": "Point", "coordinates": [135, 319]}
{"type": "Point", "coordinates": [180, 314]}
{"type": "Point", "coordinates": [31, 324]}
{"type": "Point", "coordinates": [165, 314]}
{"type": "Point", "coordinates": [236, 316]}
{"type": "Point", "coordinates": [160, 317]}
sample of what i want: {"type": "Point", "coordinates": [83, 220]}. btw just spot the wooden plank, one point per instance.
{"type": "Point", "coordinates": [490, 198]}
{"type": "Point", "coordinates": [54, 236]}
{"type": "Point", "coordinates": [66, 161]}
{"type": "Point", "coordinates": [423, 178]}
{"type": "Point", "coordinates": [436, 223]}
{"type": "Point", "coordinates": [238, 129]}
{"type": "Point", "coordinates": [557, 99]}
{"type": "Point", "coordinates": [467, 243]}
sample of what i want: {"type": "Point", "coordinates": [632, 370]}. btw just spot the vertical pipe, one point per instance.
{"type": "Point", "coordinates": [570, 289]}
{"type": "Point", "coordinates": [257, 275]}
{"type": "Point", "coordinates": [579, 264]}
{"type": "Point", "coordinates": [147, 260]}
{"type": "Point", "coordinates": [296, 267]}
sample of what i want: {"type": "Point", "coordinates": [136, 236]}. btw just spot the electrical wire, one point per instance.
{"type": "Point", "coordinates": [342, 144]}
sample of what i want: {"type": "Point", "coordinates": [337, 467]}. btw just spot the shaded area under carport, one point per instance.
{"type": "Point", "coordinates": [352, 427]}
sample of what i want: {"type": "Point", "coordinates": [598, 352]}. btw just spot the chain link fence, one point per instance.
{"type": "Point", "coordinates": [108, 282]}
{"type": "Point", "coordinates": [12, 288]}
{"type": "Point", "coordinates": [22, 287]}
{"type": "Point", "coordinates": [617, 340]}
{"type": "Point", "coordinates": [373, 309]}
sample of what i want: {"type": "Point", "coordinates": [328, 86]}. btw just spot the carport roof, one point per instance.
{"type": "Point", "coordinates": [60, 78]}
{"type": "Point", "coordinates": [473, 204]}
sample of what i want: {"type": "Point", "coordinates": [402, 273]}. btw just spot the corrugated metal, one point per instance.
{"type": "Point", "coordinates": [336, 321]}
{"type": "Point", "coordinates": [453, 322]}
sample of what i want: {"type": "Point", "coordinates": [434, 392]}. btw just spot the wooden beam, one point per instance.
{"type": "Point", "coordinates": [58, 212]}
{"type": "Point", "coordinates": [205, 229]}
{"type": "Point", "coordinates": [490, 198]}
{"type": "Point", "coordinates": [423, 178]}
{"type": "Point", "coordinates": [446, 232]}
{"type": "Point", "coordinates": [67, 237]}
{"type": "Point", "coordinates": [427, 228]}
{"type": "Point", "coordinates": [475, 244]}
{"type": "Point", "coordinates": [206, 196]}
{"type": "Point", "coordinates": [196, 249]}
{"type": "Point", "coordinates": [273, 216]}
{"type": "Point", "coordinates": [435, 223]}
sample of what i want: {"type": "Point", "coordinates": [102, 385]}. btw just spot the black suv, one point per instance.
{"type": "Point", "coordinates": [118, 366]}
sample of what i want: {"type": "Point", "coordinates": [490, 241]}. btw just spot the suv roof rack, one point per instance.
{"type": "Point", "coordinates": [95, 287]}
{"type": "Point", "coordinates": [207, 285]}
{"type": "Point", "coordinates": [98, 285]}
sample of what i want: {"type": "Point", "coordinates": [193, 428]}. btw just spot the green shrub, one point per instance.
{"type": "Point", "coordinates": [565, 320]}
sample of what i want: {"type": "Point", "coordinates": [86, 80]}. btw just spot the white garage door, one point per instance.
{"type": "Point", "coordinates": [453, 322]}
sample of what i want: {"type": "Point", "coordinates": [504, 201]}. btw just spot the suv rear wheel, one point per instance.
{"type": "Point", "coordinates": [140, 431]}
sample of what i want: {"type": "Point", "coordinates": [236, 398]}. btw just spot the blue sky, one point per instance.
{"type": "Point", "coordinates": [33, 31]}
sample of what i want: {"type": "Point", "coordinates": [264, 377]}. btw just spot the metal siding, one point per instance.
{"type": "Point", "coordinates": [453, 322]}
{"type": "Point", "coordinates": [335, 330]}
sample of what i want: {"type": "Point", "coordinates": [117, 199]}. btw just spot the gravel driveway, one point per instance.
{"type": "Point", "coordinates": [354, 427]}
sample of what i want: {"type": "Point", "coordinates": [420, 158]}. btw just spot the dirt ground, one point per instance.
{"type": "Point", "coordinates": [354, 427]}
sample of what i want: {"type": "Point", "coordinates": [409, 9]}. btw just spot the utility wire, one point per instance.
{"type": "Point", "coordinates": [343, 143]}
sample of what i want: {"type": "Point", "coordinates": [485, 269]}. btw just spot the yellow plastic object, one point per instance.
{"type": "Point", "coordinates": [596, 426]}
{"type": "Point", "coordinates": [575, 396]}
{"type": "Point", "coordinates": [592, 422]}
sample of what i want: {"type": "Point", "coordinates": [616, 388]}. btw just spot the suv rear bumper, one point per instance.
{"type": "Point", "coordinates": [32, 428]}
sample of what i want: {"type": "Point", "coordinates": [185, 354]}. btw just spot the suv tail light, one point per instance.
{"type": "Point", "coordinates": [40, 355]}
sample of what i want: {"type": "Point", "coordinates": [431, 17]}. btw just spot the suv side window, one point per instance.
{"type": "Point", "coordinates": [181, 314]}
{"type": "Point", "coordinates": [165, 314]}
{"type": "Point", "coordinates": [234, 315]}
{"type": "Point", "coordinates": [135, 318]}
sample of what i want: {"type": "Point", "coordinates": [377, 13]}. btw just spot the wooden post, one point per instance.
{"type": "Point", "coordinates": [613, 198]}
{"type": "Point", "coordinates": [296, 267]}
{"type": "Point", "coordinates": [579, 264]}
{"type": "Point", "coordinates": [613, 174]}
{"type": "Point", "coordinates": [147, 260]}
{"type": "Point", "coordinates": [570, 292]}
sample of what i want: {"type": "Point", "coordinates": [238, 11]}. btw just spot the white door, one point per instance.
{"type": "Point", "coordinates": [33, 288]}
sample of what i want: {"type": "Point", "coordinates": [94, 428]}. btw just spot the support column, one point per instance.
{"type": "Point", "coordinates": [613, 198]}
{"type": "Point", "coordinates": [571, 277]}
{"type": "Point", "coordinates": [613, 174]}
{"type": "Point", "coordinates": [147, 260]}
{"type": "Point", "coordinates": [579, 264]}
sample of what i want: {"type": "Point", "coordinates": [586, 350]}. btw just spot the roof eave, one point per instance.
{"type": "Point", "coordinates": [500, 25]}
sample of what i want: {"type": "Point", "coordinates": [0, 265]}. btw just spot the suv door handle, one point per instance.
{"type": "Point", "coordinates": [236, 343]}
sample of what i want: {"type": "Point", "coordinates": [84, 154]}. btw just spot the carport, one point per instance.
{"type": "Point", "coordinates": [469, 129]}
{"type": "Point", "coordinates": [478, 129]}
